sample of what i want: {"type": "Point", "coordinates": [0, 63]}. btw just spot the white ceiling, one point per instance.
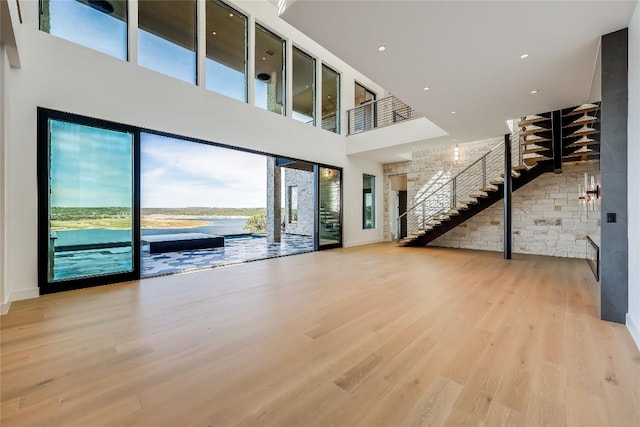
{"type": "Point", "coordinates": [468, 53]}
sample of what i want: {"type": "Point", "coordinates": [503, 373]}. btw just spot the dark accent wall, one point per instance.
{"type": "Point", "coordinates": [613, 175]}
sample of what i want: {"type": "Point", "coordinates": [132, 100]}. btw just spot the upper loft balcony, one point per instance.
{"type": "Point", "coordinates": [387, 129]}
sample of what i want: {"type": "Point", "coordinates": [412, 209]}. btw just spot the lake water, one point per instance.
{"type": "Point", "coordinates": [223, 226]}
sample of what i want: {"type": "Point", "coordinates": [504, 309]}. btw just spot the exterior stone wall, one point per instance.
{"type": "Point", "coordinates": [547, 217]}
{"type": "Point", "coordinates": [304, 182]}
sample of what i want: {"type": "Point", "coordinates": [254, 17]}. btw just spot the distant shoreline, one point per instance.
{"type": "Point", "coordinates": [155, 221]}
{"type": "Point", "coordinates": [191, 217]}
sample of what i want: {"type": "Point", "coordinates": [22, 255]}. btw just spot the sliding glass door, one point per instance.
{"type": "Point", "coordinates": [329, 208]}
{"type": "Point", "coordinates": [88, 209]}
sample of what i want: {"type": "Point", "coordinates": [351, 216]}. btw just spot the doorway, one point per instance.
{"type": "Point", "coordinates": [398, 206]}
{"type": "Point", "coordinates": [329, 190]}
{"type": "Point", "coordinates": [365, 117]}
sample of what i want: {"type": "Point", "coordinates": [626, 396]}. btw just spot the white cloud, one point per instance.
{"type": "Point", "coordinates": [182, 174]}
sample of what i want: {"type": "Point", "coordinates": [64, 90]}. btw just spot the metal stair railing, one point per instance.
{"type": "Point", "coordinates": [459, 191]}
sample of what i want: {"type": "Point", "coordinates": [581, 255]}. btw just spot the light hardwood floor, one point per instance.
{"type": "Point", "coordinates": [370, 336]}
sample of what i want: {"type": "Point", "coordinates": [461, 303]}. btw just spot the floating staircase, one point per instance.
{"type": "Point", "coordinates": [540, 145]}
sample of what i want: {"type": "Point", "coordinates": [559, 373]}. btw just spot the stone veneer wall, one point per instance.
{"type": "Point", "coordinates": [547, 218]}
{"type": "Point", "coordinates": [304, 181]}
{"type": "Point", "coordinates": [429, 165]}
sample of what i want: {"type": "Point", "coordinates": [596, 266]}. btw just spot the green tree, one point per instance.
{"type": "Point", "coordinates": [256, 223]}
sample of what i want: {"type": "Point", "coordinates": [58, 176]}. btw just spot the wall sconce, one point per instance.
{"type": "Point", "coordinates": [456, 154]}
{"type": "Point", "coordinates": [589, 193]}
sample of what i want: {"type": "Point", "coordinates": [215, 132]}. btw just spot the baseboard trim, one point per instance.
{"type": "Point", "coordinates": [366, 242]}
{"type": "Point", "coordinates": [634, 330]}
{"type": "Point", "coordinates": [4, 308]}
{"type": "Point", "coordinates": [24, 294]}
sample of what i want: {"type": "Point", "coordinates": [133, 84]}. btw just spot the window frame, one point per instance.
{"type": "Point", "coordinates": [44, 199]}
{"type": "Point", "coordinates": [338, 112]}
{"type": "Point", "coordinates": [372, 192]}
{"type": "Point", "coordinates": [314, 86]}
{"type": "Point", "coordinates": [196, 40]}
{"type": "Point", "coordinates": [237, 12]}
{"type": "Point", "coordinates": [285, 43]}
{"type": "Point", "coordinates": [127, 20]}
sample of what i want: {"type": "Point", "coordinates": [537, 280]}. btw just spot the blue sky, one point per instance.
{"type": "Point", "coordinates": [84, 25]}
{"type": "Point", "coordinates": [82, 166]}
{"type": "Point", "coordinates": [178, 173]}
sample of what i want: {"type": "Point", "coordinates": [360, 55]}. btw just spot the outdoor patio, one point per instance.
{"type": "Point", "coordinates": [235, 251]}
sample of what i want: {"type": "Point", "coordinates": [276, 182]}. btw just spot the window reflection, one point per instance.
{"type": "Point", "coordinates": [226, 51]}
{"type": "Point", "coordinates": [368, 201]}
{"type": "Point", "coordinates": [304, 87]}
{"type": "Point", "coordinates": [330, 99]}
{"type": "Point", "coordinates": [269, 77]}
{"type": "Point", "coordinates": [167, 37]}
{"type": "Point", "coordinates": [330, 206]}
{"type": "Point", "coordinates": [90, 201]}
{"type": "Point", "coordinates": [98, 25]}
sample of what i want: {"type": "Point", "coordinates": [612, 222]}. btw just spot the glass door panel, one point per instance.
{"type": "Point", "coordinates": [90, 204]}
{"type": "Point", "coordinates": [329, 208]}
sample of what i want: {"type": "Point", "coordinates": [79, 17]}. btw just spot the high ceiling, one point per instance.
{"type": "Point", "coordinates": [468, 53]}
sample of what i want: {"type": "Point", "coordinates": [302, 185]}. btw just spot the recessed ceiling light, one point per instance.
{"type": "Point", "coordinates": [307, 86]}
{"type": "Point", "coordinates": [426, 88]}
{"type": "Point", "coordinates": [453, 111]}
{"type": "Point", "coordinates": [533, 92]}
{"type": "Point", "coordinates": [231, 15]}
{"type": "Point", "coordinates": [524, 55]}
{"type": "Point", "coordinates": [329, 96]}
{"type": "Point", "coordinates": [264, 59]}
{"type": "Point", "coordinates": [214, 33]}
{"type": "Point", "coordinates": [382, 48]}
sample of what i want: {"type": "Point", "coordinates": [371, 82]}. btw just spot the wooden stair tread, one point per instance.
{"type": "Point", "coordinates": [535, 150]}
{"type": "Point", "coordinates": [579, 111]}
{"type": "Point", "coordinates": [514, 174]}
{"type": "Point", "coordinates": [532, 161]}
{"type": "Point", "coordinates": [521, 168]}
{"type": "Point", "coordinates": [533, 131]}
{"type": "Point", "coordinates": [534, 141]}
{"type": "Point", "coordinates": [580, 123]}
{"type": "Point", "coordinates": [496, 181]}
{"type": "Point", "coordinates": [527, 122]}
{"type": "Point", "coordinates": [584, 133]}
{"type": "Point", "coordinates": [581, 158]}
{"type": "Point", "coordinates": [487, 189]}
{"type": "Point", "coordinates": [583, 143]}
{"type": "Point", "coordinates": [479, 195]}
{"type": "Point", "coordinates": [469, 201]}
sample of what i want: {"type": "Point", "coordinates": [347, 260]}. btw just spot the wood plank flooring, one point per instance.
{"type": "Point", "coordinates": [369, 336]}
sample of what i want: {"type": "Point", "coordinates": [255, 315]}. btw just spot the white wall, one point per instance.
{"type": "Point", "coordinates": [633, 161]}
{"type": "Point", "coordinates": [354, 234]}
{"type": "Point", "coordinates": [3, 111]}
{"type": "Point", "coordinates": [64, 76]}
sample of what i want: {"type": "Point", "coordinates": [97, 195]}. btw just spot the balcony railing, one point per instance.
{"type": "Point", "coordinates": [378, 114]}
